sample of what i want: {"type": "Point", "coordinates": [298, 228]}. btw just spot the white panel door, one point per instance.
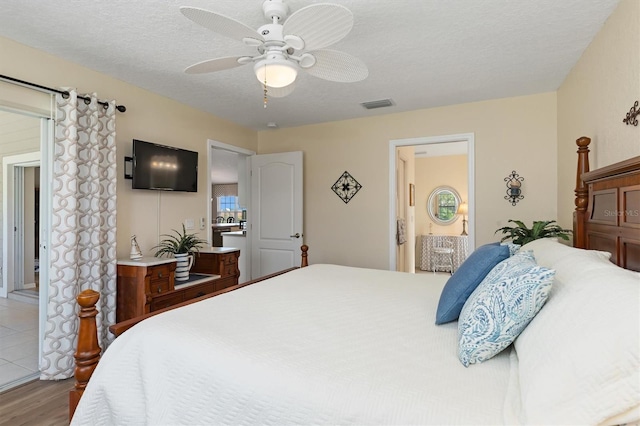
{"type": "Point", "coordinates": [276, 212]}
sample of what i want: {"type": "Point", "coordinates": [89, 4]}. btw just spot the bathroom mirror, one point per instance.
{"type": "Point", "coordinates": [442, 205]}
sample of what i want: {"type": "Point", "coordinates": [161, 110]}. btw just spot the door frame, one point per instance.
{"type": "Point", "coordinates": [211, 146]}
{"type": "Point", "coordinates": [401, 201]}
{"type": "Point", "coordinates": [47, 132]}
{"type": "Point", "coordinates": [469, 138]}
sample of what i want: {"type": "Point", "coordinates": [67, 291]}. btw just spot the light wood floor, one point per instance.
{"type": "Point", "coordinates": [37, 403]}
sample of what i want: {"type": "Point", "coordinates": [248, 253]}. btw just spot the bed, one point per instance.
{"type": "Point", "coordinates": [328, 344]}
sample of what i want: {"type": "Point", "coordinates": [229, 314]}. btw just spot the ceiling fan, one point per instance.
{"type": "Point", "coordinates": [285, 45]}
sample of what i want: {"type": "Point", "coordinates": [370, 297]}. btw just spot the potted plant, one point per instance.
{"type": "Point", "coordinates": [521, 234]}
{"type": "Point", "coordinates": [181, 246]}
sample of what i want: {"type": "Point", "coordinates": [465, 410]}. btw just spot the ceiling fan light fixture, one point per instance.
{"type": "Point", "coordinates": [286, 45]}
{"type": "Point", "coordinates": [275, 72]}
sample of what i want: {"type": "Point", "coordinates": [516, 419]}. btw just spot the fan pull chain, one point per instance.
{"type": "Point", "coordinates": [265, 95]}
{"type": "Point", "coordinates": [265, 87]}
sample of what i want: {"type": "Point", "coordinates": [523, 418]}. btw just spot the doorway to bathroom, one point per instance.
{"type": "Point", "coordinates": [414, 148]}
{"type": "Point", "coordinates": [24, 138]}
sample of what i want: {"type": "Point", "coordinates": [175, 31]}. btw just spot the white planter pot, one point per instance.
{"type": "Point", "coordinates": [185, 262]}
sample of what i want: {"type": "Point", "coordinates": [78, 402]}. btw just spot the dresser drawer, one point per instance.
{"type": "Point", "coordinates": [228, 270]}
{"type": "Point", "coordinates": [215, 263]}
{"type": "Point", "coordinates": [160, 272]}
{"type": "Point", "coordinates": [228, 265]}
{"type": "Point", "coordinates": [198, 290]}
{"type": "Point", "coordinates": [228, 259]}
{"type": "Point", "coordinates": [159, 281]}
{"type": "Point", "coordinates": [223, 283]}
{"type": "Point", "coordinates": [164, 301]}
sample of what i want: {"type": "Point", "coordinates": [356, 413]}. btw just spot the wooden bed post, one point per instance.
{"type": "Point", "coordinates": [88, 352]}
{"type": "Point", "coordinates": [582, 194]}
{"type": "Point", "coordinates": [304, 262]}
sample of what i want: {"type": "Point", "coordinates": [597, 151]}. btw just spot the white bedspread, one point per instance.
{"type": "Point", "coordinates": [321, 345]}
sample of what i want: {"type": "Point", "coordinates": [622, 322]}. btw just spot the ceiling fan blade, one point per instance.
{"type": "Point", "coordinates": [280, 92]}
{"type": "Point", "coordinates": [221, 24]}
{"type": "Point", "coordinates": [213, 65]}
{"type": "Point", "coordinates": [337, 66]}
{"type": "Point", "coordinates": [319, 25]}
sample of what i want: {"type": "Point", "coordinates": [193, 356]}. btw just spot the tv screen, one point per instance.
{"type": "Point", "coordinates": [164, 168]}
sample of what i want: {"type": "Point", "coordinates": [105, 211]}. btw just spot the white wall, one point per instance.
{"type": "Point", "coordinates": [594, 99]}
{"type": "Point", "coordinates": [510, 134]}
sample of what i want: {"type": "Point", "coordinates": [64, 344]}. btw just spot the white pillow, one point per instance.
{"type": "Point", "coordinates": [579, 359]}
{"type": "Point", "coordinates": [547, 251]}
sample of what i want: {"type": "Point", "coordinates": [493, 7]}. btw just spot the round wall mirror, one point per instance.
{"type": "Point", "coordinates": [442, 205]}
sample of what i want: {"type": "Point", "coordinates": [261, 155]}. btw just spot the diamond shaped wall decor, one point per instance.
{"type": "Point", "coordinates": [346, 187]}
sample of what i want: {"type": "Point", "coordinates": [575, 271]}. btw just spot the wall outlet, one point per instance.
{"type": "Point", "coordinates": [188, 224]}
{"type": "Point", "coordinates": [203, 223]}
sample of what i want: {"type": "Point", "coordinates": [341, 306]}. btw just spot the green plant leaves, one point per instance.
{"type": "Point", "coordinates": [521, 234]}
{"type": "Point", "coordinates": [178, 243]}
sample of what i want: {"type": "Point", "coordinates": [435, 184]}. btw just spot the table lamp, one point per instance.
{"type": "Point", "coordinates": [463, 209]}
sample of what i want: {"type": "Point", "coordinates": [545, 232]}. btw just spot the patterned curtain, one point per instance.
{"type": "Point", "coordinates": [83, 237]}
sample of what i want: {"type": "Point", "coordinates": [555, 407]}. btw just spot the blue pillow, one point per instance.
{"type": "Point", "coordinates": [501, 307]}
{"type": "Point", "coordinates": [468, 276]}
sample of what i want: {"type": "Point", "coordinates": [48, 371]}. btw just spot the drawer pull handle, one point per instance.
{"type": "Point", "coordinates": [199, 294]}
{"type": "Point", "coordinates": [159, 274]}
{"type": "Point", "coordinates": [159, 289]}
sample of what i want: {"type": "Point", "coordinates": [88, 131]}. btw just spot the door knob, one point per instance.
{"type": "Point", "coordinates": [296, 235]}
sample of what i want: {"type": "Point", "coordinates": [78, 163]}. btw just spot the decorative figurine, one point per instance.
{"type": "Point", "coordinates": [135, 249]}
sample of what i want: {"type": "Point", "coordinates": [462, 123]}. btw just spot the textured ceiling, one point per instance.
{"type": "Point", "coordinates": [420, 53]}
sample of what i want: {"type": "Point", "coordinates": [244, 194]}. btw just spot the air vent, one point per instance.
{"type": "Point", "coordinates": [382, 103]}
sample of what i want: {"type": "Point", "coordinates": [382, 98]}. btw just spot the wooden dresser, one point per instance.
{"type": "Point", "coordinates": [148, 284]}
{"type": "Point", "coordinates": [218, 261]}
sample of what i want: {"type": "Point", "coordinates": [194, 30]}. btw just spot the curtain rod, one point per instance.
{"type": "Point", "coordinates": [64, 94]}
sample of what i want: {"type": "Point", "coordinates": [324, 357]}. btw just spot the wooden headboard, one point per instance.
{"type": "Point", "coordinates": [607, 215]}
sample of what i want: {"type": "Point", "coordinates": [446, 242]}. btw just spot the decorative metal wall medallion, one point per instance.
{"type": "Point", "coordinates": [346, 187]}
{"type": "Point", "coordinates": [514, 193]}
{"type": "Point", "coordinates": [632, 115]}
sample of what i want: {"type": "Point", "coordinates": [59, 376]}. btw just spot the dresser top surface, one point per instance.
{"type": "Point", "coordinates": [146, 261]}
{"type": "Point", "coordinates": [218, 250]}
{"type": "Point", "coordinates": [444, 235]}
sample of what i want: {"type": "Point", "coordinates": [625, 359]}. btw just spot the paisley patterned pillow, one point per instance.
{"type": "Point", "coordinates": [513, 248]}
{"type": "Point", "coordinates": [501, 307]}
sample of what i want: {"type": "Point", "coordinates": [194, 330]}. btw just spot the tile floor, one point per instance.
{"type": "Point", "coordinates": [18, 341]}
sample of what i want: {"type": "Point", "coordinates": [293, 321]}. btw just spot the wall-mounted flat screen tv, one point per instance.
{"type": "Point", "coordinates": [164, 168]}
